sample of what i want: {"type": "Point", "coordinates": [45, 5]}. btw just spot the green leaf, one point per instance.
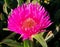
{"type": "Point", "coordinates": [5, 8]}
{"type": "Point", "coordinates": [12, 43]}
{"type": "Point", "coordinates": [40, 39]}
{"type": "Point", "coordinates": [19, 2]}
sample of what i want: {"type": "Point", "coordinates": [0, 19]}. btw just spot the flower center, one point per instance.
{"type": "Point", "coordinates": [29, 23]}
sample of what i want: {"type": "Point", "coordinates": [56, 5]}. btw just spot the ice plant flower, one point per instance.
{"type": "Point", "coordinates": [28, 19]}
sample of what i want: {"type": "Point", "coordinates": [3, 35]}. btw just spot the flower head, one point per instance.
{"type": "Point", "coordinates": [28, 19]}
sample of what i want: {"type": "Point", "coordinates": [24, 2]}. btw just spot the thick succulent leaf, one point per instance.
{"type": "Point", "coordinates": [40, 39]}
{"type": "Point", "coordinates": [5, 8]}
{"type": "Point", "coordinates": [12, 43]}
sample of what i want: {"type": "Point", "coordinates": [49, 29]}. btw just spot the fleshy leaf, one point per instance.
{"type": "Point", "coordinates": [12, 43]}
{"type": "Point", "coordinates": [40, 39]}
{"type": "Point", "coordinates": [5, 8]}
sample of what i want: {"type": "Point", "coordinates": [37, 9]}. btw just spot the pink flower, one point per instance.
{"type": "Point", "coordinates": [28, 19]}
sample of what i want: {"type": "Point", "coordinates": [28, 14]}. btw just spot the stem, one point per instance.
{"type": "Point", "coordinates": [28, 43]}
